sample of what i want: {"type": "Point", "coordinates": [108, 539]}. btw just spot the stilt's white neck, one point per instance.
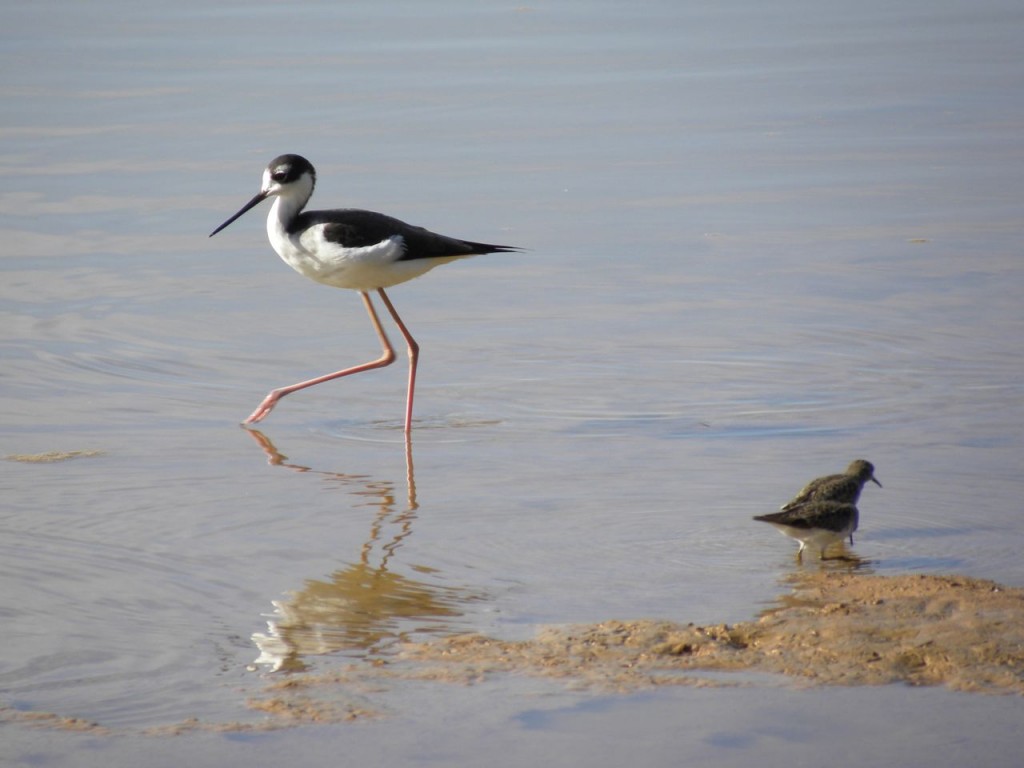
{"type": "Point", "coordinates": [291, 199]}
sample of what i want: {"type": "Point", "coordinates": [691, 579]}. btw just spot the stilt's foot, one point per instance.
{"type": "Point", "coordinates": [256, 416]}
{"type": "Point", "coordinates": [264, 408]}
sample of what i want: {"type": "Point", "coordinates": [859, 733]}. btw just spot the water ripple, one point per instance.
{"type": "Point", "coordinates": [103, 628]}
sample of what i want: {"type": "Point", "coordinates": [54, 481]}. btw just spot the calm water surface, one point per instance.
{"type": "Point", "coordinates": [762, 241]}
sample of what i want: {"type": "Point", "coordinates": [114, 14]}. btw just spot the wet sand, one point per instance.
{"type": "Point", "coordinates": [834, 628]}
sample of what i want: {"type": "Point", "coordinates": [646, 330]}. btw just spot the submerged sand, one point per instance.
{"type": "Point", "coordinates": [835, 628]}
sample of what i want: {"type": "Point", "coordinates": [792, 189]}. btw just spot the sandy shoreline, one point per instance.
{"type": "Point", "coordinates": [834, 628]}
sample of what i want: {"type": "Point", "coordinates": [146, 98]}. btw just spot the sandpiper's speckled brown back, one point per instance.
{"type": "Point", "coordinates": [844, 488]}
{"type": "Point", "coordinates": [816, 515]}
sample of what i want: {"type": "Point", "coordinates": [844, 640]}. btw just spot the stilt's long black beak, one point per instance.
{"type": "Point", "coordinates": [251, 204]}
{"type": "Point", "coordinates": [873, 479]}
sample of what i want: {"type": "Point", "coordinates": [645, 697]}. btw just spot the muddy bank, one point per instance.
{"type": "Point", "coordinates": [834, 629]}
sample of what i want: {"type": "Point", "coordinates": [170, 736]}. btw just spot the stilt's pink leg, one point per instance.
{"type": "Point", "coordinates": [414, 355]}
{"type": "Point", "coordinates": [386, 358]}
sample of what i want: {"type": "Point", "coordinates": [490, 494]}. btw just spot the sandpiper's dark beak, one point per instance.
{"type": "Point", "coordinates": [873, 478]}
{"type": "Point", "coordinates": [251, 204]}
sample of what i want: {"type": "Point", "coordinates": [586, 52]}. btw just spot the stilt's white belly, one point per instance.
{"type": "Point", "coordinates": [359, 269]}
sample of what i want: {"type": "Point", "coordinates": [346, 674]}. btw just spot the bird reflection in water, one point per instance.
{"type": "Point", "coordinates": [363, 607]}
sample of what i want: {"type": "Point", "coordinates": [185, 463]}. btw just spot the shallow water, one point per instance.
{"type": "Point", "coordinates": [762, 241]}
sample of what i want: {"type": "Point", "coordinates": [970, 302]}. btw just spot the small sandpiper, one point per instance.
{"type": "Point", "coordinates": [825, 509]}
{"type": "Point", "coordinates": [844, 488]}
{"type": "Point", "coordinates": [816, 523]}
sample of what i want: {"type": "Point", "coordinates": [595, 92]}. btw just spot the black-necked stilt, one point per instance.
{"type": "Point", "coordinates": [349, 248]}
{"type": "Point", "coordinates": [816, 523]}
{"type": "Point", "coordinates": [844, 488]}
